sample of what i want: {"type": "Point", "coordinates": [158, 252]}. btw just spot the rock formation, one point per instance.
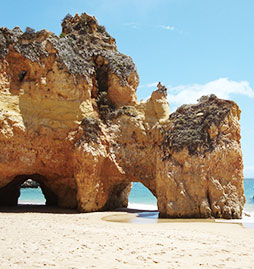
{"type": "Point", "coordinates": [29, 183]}
{"type": "Point", "coordinates": [70, 120]}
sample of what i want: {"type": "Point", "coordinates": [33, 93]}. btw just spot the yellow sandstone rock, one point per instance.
{"type": "Point", "coordinates": [70, 120]}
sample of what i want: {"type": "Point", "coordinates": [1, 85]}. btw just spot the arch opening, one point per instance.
{"type": "Point", "coordinates": [31, 193]}
{"type": "Point", "coordinates": [141, 198]}
{"type": "Point", "coordinates": [9, 194]}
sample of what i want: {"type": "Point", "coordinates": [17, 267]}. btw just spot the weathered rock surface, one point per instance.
{"type": "Point", "coordinates": [29, 183]}
{"type": "Point", "coordinates": [70, 120]}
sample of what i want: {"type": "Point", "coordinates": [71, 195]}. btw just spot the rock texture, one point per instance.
{"type": "Point", "coordinates": [29, 183]}
{"type": "Point", "coordinates": [70, 120]}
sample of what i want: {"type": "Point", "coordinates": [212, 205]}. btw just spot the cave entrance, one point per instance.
{"type": "Point", "coordinates": [9, 194]}
{"type": "Point", "coordinates": [141, 198]}
{"type": "Point", "coordinates": [31, 193]}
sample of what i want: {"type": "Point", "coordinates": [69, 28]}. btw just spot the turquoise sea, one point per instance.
{"type": "Point", "coordinates": [249, 194]}
{"type": "Point", "coordinates": [140, 197]}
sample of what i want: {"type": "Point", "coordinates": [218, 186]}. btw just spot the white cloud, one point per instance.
{"type": "Point", "coordinates": [167, 27]}
{"type": "Point", "coordinates": [133, 25]}
{"type": "Point", "coordinates": [249, 171]}
{"type": "Point", "coordinates": [222, 88]}
{"type": "Point", "coordinates": [249, 168]}
{"type": "Point", "coordinates": [152, 85]}
{"type": "Point", "coordinates": [149, 85]}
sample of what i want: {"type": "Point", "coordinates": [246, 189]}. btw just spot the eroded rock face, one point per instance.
{"type": "Point", "coordinates": [29, 183]}
{"type": "Point", "coordinates": [202, 157]}
{"type": "Point", "coordinates": [70, 120]}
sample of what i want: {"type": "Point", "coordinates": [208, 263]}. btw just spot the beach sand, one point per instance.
{"type": "Point", "coordinates": [55, 238]}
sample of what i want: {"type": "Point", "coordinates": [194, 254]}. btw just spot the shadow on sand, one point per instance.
{"type": "Point", "coordinates": [131, 216]}
{"type": "Point", "coordinates": [32, 208]}
{"type": "Point", "coordinates": [37, 209]}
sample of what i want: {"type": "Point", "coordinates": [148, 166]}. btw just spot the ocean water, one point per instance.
{"type": "Point", "coordinates": [249, 194]}
{"type": "Point", "coordinates": [31, 196]}
{"type": "Point", "coordinates": [140, 197]}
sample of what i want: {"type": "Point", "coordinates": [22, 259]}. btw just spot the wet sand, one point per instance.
{"type": "Point", "coordinates": [37, 236]}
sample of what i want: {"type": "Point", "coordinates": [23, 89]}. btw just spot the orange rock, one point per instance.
{"type": "Point", "coordinates": [70, 120]}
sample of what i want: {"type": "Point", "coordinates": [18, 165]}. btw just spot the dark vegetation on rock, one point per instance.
{"type": "Point", "coordinates": [92, 131]}
{"type": "Point", "coordinates": [83, 41]}
{"type": "Point", "coordinates": [105, 105]}
{"type": "Point", "coordinates": [191, 124]}
{"type": "Point", "coordinates": [129, 111]}
{"type": "Point", "coordinates": [29, 30]}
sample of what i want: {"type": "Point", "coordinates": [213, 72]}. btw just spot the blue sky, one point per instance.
{"type": "Point", "coordinates": [194, 47]}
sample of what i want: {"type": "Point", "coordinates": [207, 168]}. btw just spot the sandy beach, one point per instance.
{"type": "Point", "coordinates": [65, 239]}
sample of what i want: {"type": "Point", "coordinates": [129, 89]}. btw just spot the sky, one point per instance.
{"type": "Point", "coordinates": [194, 47]}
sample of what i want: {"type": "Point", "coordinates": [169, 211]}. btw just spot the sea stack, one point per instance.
{"type": "Point", "coordinates": [70, 120]}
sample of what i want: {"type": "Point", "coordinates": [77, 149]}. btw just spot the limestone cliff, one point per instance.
{"type": "Point", "coordinates": [70, 120]}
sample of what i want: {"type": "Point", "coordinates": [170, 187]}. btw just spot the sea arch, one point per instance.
{"type": "Point", "coordinates": [57, 191]}
{"type": "Point", "coordinates": [10, 193]}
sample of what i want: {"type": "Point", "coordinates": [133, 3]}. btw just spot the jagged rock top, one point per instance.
{"type": "Point", "coordinates": [88, 29]}
{"type": "Point", "coordinates": [190, 124]}
{"type": "Point", "coordinates": [78, 48]}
